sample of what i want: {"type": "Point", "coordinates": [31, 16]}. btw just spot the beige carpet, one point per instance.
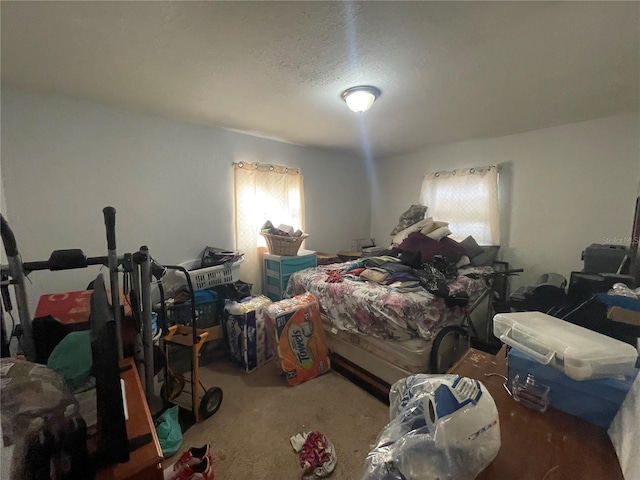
{"type": "Point", "coordinates": [260, 412]}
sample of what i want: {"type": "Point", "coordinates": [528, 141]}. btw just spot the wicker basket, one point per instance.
{"type": "Point", "coordinates": [285, 246]}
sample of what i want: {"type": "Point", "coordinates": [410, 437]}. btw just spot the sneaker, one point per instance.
{"type": "Point", "coordinates": [191, 457]}
{"type": "Point", "coordinates": [200, 471]}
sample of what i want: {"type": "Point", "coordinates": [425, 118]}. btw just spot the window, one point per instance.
{"type": "Point", "coordinates": [468, 200]}
{"type": "Point", "coordinates": [264, 192]}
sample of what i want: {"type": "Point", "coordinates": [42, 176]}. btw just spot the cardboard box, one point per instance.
{"type": "Point", "coordinates": [246, 332]}
{"type": "Point", "coordinates": [596, 401]}
{"type": "Point", "coordinates": [619, 314]}
{"type": "Point", "coordinates": [295, 327]}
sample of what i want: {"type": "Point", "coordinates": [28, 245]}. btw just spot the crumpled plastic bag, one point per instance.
{"type": "Point", "coordinates": [169, 431]}
{"type": "Point", "coordinates": [442, 427]}
{"type": "Point", "coordinates": [317, 454]}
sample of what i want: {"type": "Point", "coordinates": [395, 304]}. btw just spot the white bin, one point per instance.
{"type": "Point", "coordinates": [580, 353]}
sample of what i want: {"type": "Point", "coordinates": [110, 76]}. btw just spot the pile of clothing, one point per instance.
{"type": "Point", "coordinates": [416, 232]}
{"type": "Point", "coordinates": [421, 256]}
{"type": "Point", "coordinates": [403, 271]}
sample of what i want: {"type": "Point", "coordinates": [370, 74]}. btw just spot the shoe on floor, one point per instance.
{"type": "Point", "coordinates": [200, 471]}
{"type": "Point", "coordinates": [193, 456]}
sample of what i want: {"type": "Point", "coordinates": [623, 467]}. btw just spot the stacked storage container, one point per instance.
{"type": "Point", "coordinates": [207, 317]}
{"type": "Point", "coordinates": [588, 374]}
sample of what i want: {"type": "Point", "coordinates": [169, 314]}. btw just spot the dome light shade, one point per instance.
{"type": "Point", "coordinates": [359, 99]}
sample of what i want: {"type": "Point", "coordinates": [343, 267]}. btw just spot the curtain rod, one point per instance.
{"type": "Point", "coordinates": [469, 169]}
{"type": "Point", "coordinates": [266, 166]}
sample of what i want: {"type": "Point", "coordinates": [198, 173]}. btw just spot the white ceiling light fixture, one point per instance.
{"type": "Point", "coordinates": [359, 99]}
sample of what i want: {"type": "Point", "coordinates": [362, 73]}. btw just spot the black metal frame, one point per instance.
{"type": "Point", "coordinates": [137, 277]}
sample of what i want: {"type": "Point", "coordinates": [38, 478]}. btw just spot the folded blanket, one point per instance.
{"type": "Point", "coordinates": [375, 274]}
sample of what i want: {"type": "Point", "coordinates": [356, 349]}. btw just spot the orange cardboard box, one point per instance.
{"type": "Point", "coordinates": [296, 329]}
{"type": "Point", "coordinates": [619, 314]}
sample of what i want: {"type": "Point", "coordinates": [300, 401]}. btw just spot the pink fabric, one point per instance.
{"type": "Point", "coordinates": [334, 276]}
{"type": "Point", "coordinates": [356, 271]}
{"type": "Point", "coordinates": [314, 452]}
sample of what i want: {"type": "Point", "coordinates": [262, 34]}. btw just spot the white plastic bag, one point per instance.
{"type": "Point", "coordinates": [442, 427]}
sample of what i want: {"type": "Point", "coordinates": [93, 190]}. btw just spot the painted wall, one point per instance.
{"type": "Point", "coordinates": [565, 188]}
{"type": "Point", "coordinates": [171, 183]}
{"type": "Point", "coordinates": [63, 160]}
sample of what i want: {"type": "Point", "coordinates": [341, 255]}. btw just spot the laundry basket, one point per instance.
{"type": "Point", "coordinates": [206, 277]}
{"type": "Point", "coordinates": [286, 246]}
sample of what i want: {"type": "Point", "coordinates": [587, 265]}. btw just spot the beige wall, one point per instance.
{"type": "Point", "coordinates": [171, 183]}
{"type": "Point", "coordinates": [565, 187]}
{"type": "Point", "coordinates": [63, 160]}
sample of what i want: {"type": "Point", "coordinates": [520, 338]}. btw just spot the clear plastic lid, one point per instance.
{"type": "Point", "coordinates": [580, 353]}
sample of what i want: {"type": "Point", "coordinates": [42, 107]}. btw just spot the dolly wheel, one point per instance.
{"type": "Point", "coordinates": [211, 402]}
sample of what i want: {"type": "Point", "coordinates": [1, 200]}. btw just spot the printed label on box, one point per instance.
{"type": "Point", "coordinates": [301, 347]}
{"type": "Point", "coordinates": [248, 342]}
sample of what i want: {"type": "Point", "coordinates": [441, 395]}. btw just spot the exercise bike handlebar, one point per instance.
{"type": "Point", "coordinates": [110, 223]}
{"type": "Point", "coordinates": [60, 259]}
{"type": "Point", "coordinates": [64, 260]}
{"type": "Point", "coordinates": [502, 273]}
{"type": "Point", "coordinates": [8, 239]}
{"type": "Point", "coordinates": [513, 271]}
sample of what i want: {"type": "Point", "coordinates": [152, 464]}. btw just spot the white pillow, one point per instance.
{"type": "Point", "coordinates": [439, 233]}
{"type": "Point", "coordinates": [416, 227]}
{"type": "Point", "coordinates": [431, 226]}
{"type": "Point", "coordinates": [464, 261]}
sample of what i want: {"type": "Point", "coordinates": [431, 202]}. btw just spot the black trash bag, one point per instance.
{"type": "Point", "coordinates": [212, 256]}
{"type": "Point", "coordinates": [406, 257]}
{"type": "Point", "coordinates": [234, 291]}
{"type": "Point", "coordinates": [444, 266]}
{"type": "Point", "coordinates": [432, 280]}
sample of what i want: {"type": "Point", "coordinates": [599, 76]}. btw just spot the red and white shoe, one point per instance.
{"type": "Point", "coordinates": [192, 457]}
{"type": "Point", "coordinates": [200, 471]}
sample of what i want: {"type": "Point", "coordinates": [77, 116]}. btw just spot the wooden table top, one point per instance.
{"type": "Point", "coordinates": [539, 446]}
{"type": "Point", "coordinates": [139, 423]}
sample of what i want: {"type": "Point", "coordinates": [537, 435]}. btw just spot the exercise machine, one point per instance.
{"type": "Point", "coordinates": [136, 269]}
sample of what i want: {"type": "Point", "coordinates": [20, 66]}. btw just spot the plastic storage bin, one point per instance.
{"type": "Point", "coordinates": [277, 270]}
{"type": "Point", "coordinates": [596, 401]}
{"type": "Point", "coordinates": [579, 353]}
{"type": "Point", "coordinates": [207, 311]}
{"type": "Point", "coordinates": [210, 276]}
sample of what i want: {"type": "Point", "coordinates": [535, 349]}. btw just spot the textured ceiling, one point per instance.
{"type": "Point", "coordinates": [447, 70]}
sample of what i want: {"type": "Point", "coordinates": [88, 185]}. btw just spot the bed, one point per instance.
{"type": "Point", "coordinates": [383, 331]}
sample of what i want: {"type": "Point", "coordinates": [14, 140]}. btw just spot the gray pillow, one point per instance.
{"type": "Point", "coordinates": [487, 257]}
{"type": "Point", "coordinates": [471, 246]}
{"type": "Point", "coordinates": [413, 215]}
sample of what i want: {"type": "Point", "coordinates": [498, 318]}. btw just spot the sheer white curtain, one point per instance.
{"type": "Point", "coordinates": [467, 199]}
{"type": "Point", "coordinates": [264, 192]}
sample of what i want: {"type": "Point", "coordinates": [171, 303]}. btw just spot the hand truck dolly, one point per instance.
{"type": "Point", "coordinates": [204, 402]}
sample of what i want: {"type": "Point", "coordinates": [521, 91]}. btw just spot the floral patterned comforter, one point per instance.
{"type": "Point", "coordinates": [381, 311]}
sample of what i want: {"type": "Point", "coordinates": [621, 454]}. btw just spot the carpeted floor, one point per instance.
{"type": "Point", "coordinates": [250, 433]}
